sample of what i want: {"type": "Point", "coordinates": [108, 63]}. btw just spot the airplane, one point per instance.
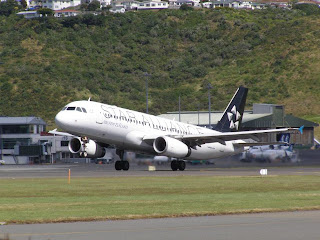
{"type": "Point", "coordinates": [96, 126]}
{"type": "Point", "coordinates": [271, 153]}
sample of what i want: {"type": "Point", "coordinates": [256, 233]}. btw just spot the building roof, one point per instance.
{"type": "Point", "coordinates": [21, 121]}
{"type": "Point", "coordinates": [192, 117]}
{"type": "Point", "coordinates": [66, 10]}
{"type": "Point", "coordinates": [250, 120]}
{"type": "Point", "coordinates": [298, 122]}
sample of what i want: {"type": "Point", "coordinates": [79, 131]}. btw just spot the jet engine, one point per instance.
{"type": "Point", "coordinates": [89, 148]}
{"type": "Point", "coordinates": [171, 147]}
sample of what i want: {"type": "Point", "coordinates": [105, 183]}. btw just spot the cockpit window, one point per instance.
{"type": "Point", "coordinates": [79, 109]}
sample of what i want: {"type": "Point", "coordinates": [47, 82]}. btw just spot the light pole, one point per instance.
{"type": "Point", "coordinates": [198, 105]}
{"type": "Point", "coordinates": [179, 109]}
{"type": "Point", "coordinates": [1, 142]}
{"type": "Point", "coordinates": [147, 75]}
{"type": "Point", "coordinates": [209, 99]}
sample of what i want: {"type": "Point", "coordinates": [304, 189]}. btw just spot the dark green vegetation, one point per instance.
{"type": "Point", "coordinates": [53, 200]}
{"type": "Point", "coordinates": [48, 62]}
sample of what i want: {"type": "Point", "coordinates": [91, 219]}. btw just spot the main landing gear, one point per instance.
{"type": "Point", "coordinates": [121, 165]}
{"type": "Point", "coordinates": [178, 164]}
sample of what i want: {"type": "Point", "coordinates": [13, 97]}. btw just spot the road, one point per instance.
{"type": "Point", "coordinates": [263, 226]}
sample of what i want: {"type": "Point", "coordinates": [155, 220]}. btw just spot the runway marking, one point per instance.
{"type": "Point", "coordinates": [149, 229]}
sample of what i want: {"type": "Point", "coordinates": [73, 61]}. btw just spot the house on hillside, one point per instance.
{"type": "Point", "coordinates": [59, 4]}
{"type": "Point", "coordinates": [29, 14]}
{"type": "Point", "coordinates": [66, 13]}
{"type": "Point", "coordinates": [234, 4]}
{"type": "Point", "coordinates": [224, 3]}
{"type": "Point", "coordinates": [256, 5]}
{"type": "Point", "coordinates": [103, 3]}
{"type": "Point", "coordinates": [148, 5]}
{"type": "Point", "coordinates": [241, 5]}
{"type": "Point", "coordinates": [178, 3]}
{"type": "Point", "coordinates": [117, 9]}
{"type": "Point", "coordinates": [135, 5]}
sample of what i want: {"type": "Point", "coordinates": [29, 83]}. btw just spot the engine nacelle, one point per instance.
{"type": "Point", "coordinates": [171, 147]}
{"type": "Point", "coordinates": [90, 149]}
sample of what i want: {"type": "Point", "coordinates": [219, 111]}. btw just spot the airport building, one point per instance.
{"type": "Point", "coordinates": [23, 140]}
{"type": "Point", "coordinates": [262, 116]}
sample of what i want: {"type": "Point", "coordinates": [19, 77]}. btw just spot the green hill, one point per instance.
{"type": "Point", "coordinates": [48, 62]}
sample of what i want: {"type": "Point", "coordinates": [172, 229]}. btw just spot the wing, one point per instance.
{"type": "Point", "coordinates": [222, 137]}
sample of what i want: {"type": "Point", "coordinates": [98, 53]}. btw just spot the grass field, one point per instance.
{"type": "Point", "coordinates": [54, 200]}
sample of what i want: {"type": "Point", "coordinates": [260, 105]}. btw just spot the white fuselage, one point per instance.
{"type": "Point", "coordinates": [125, 129]}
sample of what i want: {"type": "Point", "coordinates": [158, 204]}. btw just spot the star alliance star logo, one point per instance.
{"type": "Point", "coordinates": [234, 117]}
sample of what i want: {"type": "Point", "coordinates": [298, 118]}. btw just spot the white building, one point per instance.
{"type": "Point", "coordinates": [103, 3]}
{"type": "Point", "coordinates": [148, 5]}
{"type": "Point", "coordinates": [29, 14]}
{"type": "Point", "coordinates": [60, 4]}
{"type": "Point", "coordinates": [118, 9]}
{"type": "Point", "coordinates": [23, 140]}
{"type": "Point", "coordinates": [232, 4]}
{"type": "Point", "coordinates": [135, 5]}
{"type": "Point", "coordinates": [242, 5]}
{"type": "Point", "coordinates": [66, 13]}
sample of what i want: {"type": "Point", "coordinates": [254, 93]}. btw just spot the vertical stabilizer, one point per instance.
{"type": "Point", "coordinates": [232, 116]}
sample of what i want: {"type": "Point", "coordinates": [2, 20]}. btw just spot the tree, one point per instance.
{"type": "Point", "coordinates": [24, 4]}
{"type": "Point", "coordinates": [309, 9]}
{"type": "Point", "coordinates": [9, 7]}
{"type": "Point", "coordinates": [45, 12]}
{"type": "Point", "coordinates": [93, 6]}
{"type": "Point", "coordinates": [84, 6]}
{"type": "Point", "coordinates": [185, 7]}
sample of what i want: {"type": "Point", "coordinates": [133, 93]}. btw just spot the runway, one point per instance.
{"type": "Point", "coordinates": [263, 226]}
{"type": "Point", "coordinates": [309, 164]}
{"type": "Point", "coordinates": [107, 170]}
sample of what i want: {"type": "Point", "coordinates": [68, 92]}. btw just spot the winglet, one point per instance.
{"type": "Point", "coordinates": [301, 129]}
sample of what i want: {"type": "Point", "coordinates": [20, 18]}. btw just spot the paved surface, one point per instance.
{"type": "Point", "coordinates": [94, 170]}
{"type": "Point", "coordinates": [309, 164]}
{"type": "Point", "coordinates": [265, 226]}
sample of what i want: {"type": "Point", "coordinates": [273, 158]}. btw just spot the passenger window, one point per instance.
{"type": "Point", "coordinates": [64, 108]}
{"type": "Point", "coordinates": [71, 108]}
{"type": "Point", "coordinates": [84, 110]}
{"type": "Point", "coordinates": [79, 109]}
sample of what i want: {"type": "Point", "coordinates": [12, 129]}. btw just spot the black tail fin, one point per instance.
{"type": "Point", "coordinates": [232, 116]}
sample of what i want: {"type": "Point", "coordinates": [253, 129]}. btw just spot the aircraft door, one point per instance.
{"type": "Point", "coordinates": [99, 117]}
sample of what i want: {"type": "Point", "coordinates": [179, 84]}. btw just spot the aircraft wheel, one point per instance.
{"type": "Point", "coordinates": [181, 165]}
{"type": "Point", "coordinates": [118, 165]}
{"type": "Point", "coordinates": [125, 165]}
{"type": "Point", "coordinates": [174, 165]}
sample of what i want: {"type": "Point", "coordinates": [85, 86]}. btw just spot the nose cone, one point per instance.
{"type": "Point", "coordinates": [61, 120]}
